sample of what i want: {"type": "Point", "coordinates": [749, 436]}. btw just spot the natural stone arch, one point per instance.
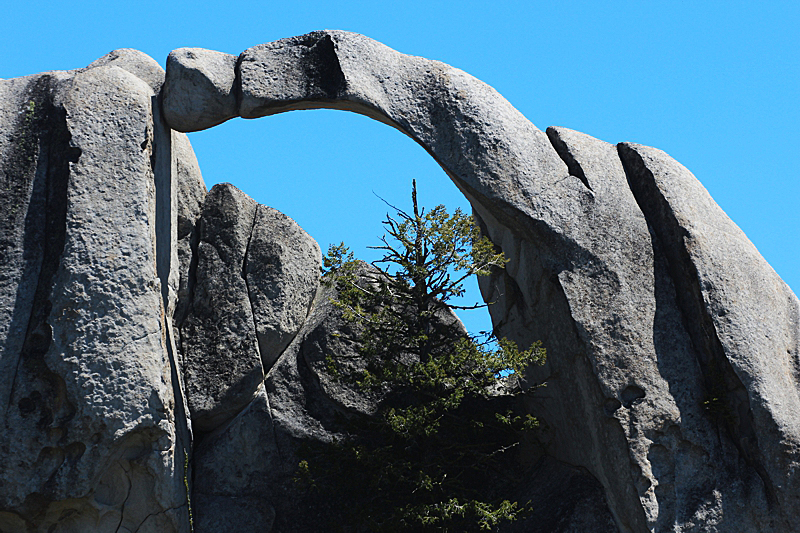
{"type": "Point", "coordinates": [665, 379]}
{"type": "Point", "coordinates": [618, 308]}
{"type": "Point", "coordinates": [479, 139]}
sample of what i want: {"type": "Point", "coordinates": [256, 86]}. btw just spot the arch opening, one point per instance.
{"type": "Point", "coordinates": [331, 172]}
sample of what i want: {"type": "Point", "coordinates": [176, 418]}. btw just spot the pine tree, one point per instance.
{"type": "Point", "coordinates": [449, 419]}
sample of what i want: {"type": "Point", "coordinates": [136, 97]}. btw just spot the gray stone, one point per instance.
{"type": "Point", "coordinates": [742, 318]}
{"type": "Point", "coordinates": [190, 196]}
{"type": "Point", "coordinates": [567, 500]}
{"type": "Point", "coordinates": [90, 421]}
{"type": "Point", "coordinates": [222, 365]}
{"type": "Point", "coordinates": [24, 206]}
{"type": "Point", "coordinates": [672, 397]}
{"type": "Point", "coordinates": [282, 272]}
{"type": "Point", "coordinates": [586, 276]}
{"type": "Point", "coordinates": [325, 333]}
{"type": "Point", "coordinates": [633, 361]}
{"type": "Point", "coordinates": [200, 93]}
{"type": "Point", "coordinates": [230, 468]}
{"type": "Point", "coordinates": [137, 63]}
{"type": "Point", "coordinates": [299, 403]}
{"type": "Point", "coordinates": [233, 513]}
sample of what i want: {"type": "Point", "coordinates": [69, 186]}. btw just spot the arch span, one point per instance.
{"type": "Point", "coordinates": [520, 189]}
{"type": "Point", "coordinates": [673, 347]}
{"type": "Point", "coordinates": [481, 141]}
{"type": "Point", "coordinates": [614, 264]}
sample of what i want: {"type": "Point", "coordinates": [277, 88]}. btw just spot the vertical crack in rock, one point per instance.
{"type": "Point", "coordinates": [161, 161]}
{"type": "Point", "coordinates": [566, 155]}
{"type": "Point", "coordinates": [727, 397]}
{"type": "Point", "coordinates": [281, 271]}
{"type": "Point", "coordinates": [237, 83]}
{"type": "Point", "coordinates": [249, 292]}
{"type": "Point", "coordinates": [125, 501]}
{"type": "Point", "coordinates": [184, 308]}
{"type": "Point", "coordinates": [190, 194]}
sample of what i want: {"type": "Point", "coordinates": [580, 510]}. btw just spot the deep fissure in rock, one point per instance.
{"type": "Point", "coordinates": [727, 399]}
{"type": "Point", "coordinates": [565, 154]}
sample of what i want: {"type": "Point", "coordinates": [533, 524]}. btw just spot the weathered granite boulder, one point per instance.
{"type": "Point", "coordinates": [137, 63]}
{"type": "Point", "coordinates": [743, 321]}
{"type": "Point", "coordinates": [201, 94]}
{"type": "Point", "coordinates": [255, 277]}
{"type": "Point", "coordinates": [222, 365]}
{"type": "Point", "coordinates": [282, 272]}
{"type": "Point", "coordinates": [298, 403]}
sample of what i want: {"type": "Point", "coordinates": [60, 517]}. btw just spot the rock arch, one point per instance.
{"type": "Point", "coordinates": [611, 265]}
{"type": "Point", "coordinates": [665, 380]}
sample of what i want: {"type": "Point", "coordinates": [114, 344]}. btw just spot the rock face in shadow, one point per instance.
{"type": "Point", "coordinates": [191, 194]}
{"type": "Point", "coordinates": [299, 404]}
{"type": "Point", "coordinates": [147, 327]}
{"type": "Point", "coordinates": [222, 365]}
{"type": "Point", "coordinates": [255, 276]}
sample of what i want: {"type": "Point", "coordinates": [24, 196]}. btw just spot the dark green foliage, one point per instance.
{"type": "Point", "coordinates": [443, 445]}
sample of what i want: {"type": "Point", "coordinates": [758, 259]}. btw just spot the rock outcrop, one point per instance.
{"type": "Point", "coordinates": [93, 432]}
{"type": "Point", "coordinates": [255, 277]}
{"type": "Point", "coordinates": [148, 329]}
{"type": "Point", "coordinates": [210, 77]}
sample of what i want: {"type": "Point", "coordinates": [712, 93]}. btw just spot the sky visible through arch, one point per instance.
{"type": "Point", "coordinates": [715, 84]}
{"type": "Point", "coordinates": [333, 174]}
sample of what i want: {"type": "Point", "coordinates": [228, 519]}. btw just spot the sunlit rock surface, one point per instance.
{"type": "Point", "coordinates": [148, 329]}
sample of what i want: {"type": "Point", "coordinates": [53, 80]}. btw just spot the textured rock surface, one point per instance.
{"type": "Point", "coordinates": [137, 63]}
{"type": "Point", "coordinates": [594, 275]}
{"type": "Point", "coordinates": [222, 365]}
{"type": "Point", "coordinates": [740, 315]}
{"type": "Point", "coordinates": [292, 407]}
{"type": "Point", "coordinates": [299, 403]}
{"type": "Point", "coordinates": [282, 273]}
{"type": "Point", "coordinates": [302, 403]}
{"type": "Point", "coordinates": [201, 93]}
{"type": "Point", "coordinates": [672, 397]}
{"type": "Point", "coordinates": [91, 432]}
{"type": "Point", "coordinates": [256, 275]}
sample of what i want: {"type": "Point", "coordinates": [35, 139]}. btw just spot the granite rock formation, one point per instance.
{"type": "Point", "coordinates": [160, 344]}
{"type": "Point", "coordinates": [93, 433]}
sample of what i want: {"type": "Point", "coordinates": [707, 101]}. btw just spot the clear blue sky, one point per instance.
{"type": "Point", "coordinates": [715, 84]}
